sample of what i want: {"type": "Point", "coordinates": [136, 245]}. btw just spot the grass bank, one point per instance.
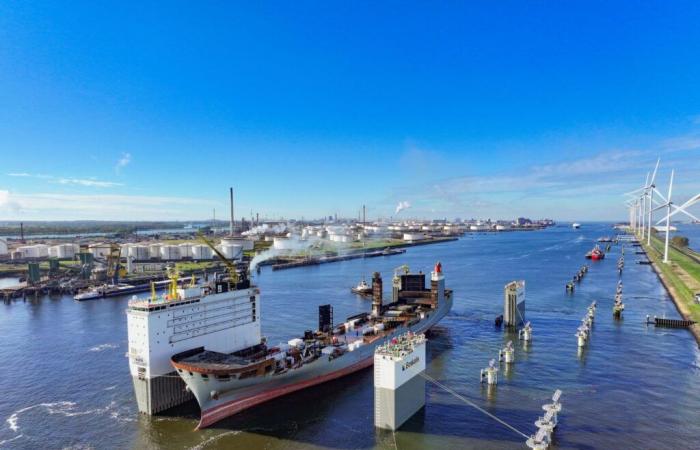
{"type": "Point", "coordinates": [681, 277]}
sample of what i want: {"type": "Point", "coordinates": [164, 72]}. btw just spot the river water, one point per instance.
{"type": "Point", "coordinates": [65, 381]}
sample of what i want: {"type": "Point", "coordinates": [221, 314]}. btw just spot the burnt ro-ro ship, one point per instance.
{"type": "Point", "coordinates": [227, 383]}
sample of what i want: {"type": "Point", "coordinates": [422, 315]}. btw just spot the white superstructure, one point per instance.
{"type": "Point", "coordinates": [399, 388]}
{"type": "Point", "coordinates": [212, 317]}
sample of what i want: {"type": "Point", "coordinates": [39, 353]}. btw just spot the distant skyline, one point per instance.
{"type": "Point", "coordinates": [126, 111]}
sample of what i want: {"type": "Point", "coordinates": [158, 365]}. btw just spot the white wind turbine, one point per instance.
{"type": "Point", "coordinates": [651, 189]}
{"type": "Point", "coordinates": [677, 209]}
{"type": "Point", "coordinates": [640, 196]}
{"type": "Point", "coordinates": [668, 206]}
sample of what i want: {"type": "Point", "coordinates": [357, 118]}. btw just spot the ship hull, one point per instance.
{"type": "Point", "coordinates": [234, 396]}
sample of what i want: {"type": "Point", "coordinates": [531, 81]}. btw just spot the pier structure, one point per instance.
{"type": "Point", "coordinates": [399, 387]}
{"type": "Point", "coordinates": [514, 304]}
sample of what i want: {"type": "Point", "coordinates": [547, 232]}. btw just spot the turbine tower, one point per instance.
{"type": "Point", "coordinates": [651, 188]}
{"type": "Point", "coordinates": [668, 206]}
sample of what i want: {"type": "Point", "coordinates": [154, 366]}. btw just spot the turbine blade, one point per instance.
{"type": "Point", "coordinates": [653, 177]}
{"type": "Point", "coordinates": [670, 187]}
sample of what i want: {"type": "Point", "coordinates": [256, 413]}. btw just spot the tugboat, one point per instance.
{"type": "Point", "coordinates": [362, 288]}
{"type": "Point", "coordinates": [596, 254]}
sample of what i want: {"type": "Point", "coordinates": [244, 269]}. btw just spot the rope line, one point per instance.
{"type": "Point", "coordinates": [472, 404]}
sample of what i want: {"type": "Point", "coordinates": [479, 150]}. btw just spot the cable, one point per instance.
{"type": "Point", "coordinates": [470, 403]}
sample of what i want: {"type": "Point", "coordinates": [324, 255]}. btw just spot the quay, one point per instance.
{"type": "Point", "coordinates": [681, 278]}
{"type": "Point", "coordinates": [314, 261]}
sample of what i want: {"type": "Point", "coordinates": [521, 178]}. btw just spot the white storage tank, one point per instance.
{"type": "Point", "coordinates": [154, 251]}
{"type": "Point", "coordinates": [3, 246]}
{"type": "Point", "coordinates": [99, 250]}
{"type": "Point", "coordinates": [34, 251]}
{"type": "Point", "coordinates": [246, 244]}
{"type": "Point", "coordinates": [169, 252]}
{"type": "Point", "coordinates": [200, 251]}
{"type": "Point", "coordinates": [413, 237]}
{"type": "Point", "coordinates": [124, 250]}
{"type": "Point", "coordinates": [139, 252]}
{"type": "Point", "coordinates": [283, 243]}
{"type": "Point", "coordinates": [231, 251]}
{"type": "Point", "coordinates": [185, 250]}
{"type": "Point", "coordinates": [67, 251]}
{"type": "Point", "coordinates": [53, 251]}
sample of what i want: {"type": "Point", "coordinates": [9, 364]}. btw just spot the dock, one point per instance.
{"type": "Point", "coordinates": [314, 261]}
{"type": "Point", "coordinates": [671, 323]}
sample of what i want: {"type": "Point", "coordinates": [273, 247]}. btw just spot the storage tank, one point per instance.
{"type": "Point", "coordinates": [124, 250]}
{"type": "Point", "coordinates": [282, 243]}
{"type": "Point", "coordinates": [66, 251]}
{"type": "Point", "coordinates": [246, 244]}
{"type": "Point", "coordinates": [3, 246]}
{"type": "Point", "coordinates": [154, 251]}
{"type": "Point", "coordinates": [139, 252]}
{"type": "Point", "coordinates": [185, 250]}
{"type": "Point", "coordinates": [200, 251]}
{"type": "Point", "coordinates": [169, 252]}
{"type": "Point", "coordinates": [99, 250]}
{"type": "Point", "coordinates": [231, 251]}
{"type": "Point", "coordinates": [34, 251]}
{"type": "Point", "coordinates": [53, 251]}
{"type": "Point", "coordinates": [413, 237]}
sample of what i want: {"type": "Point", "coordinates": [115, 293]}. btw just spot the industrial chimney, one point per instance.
{"type": "Point", "coordinates": [231, 225]}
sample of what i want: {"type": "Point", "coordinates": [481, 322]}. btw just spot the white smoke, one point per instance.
{"type": "Point", "coordinates": [265, 229]}
{"type": "Point", "coordinates": [401, 206]}
{"type": "Point", "coordinates": [291, 245]}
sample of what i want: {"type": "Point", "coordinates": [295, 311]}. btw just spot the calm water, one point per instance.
{"type": "Point", "coordinates": [65, 380]}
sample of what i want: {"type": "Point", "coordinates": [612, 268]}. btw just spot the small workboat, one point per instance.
{"type": "Point", "coordinates": [362, 288]}
{"type": "Point", "coordinates": [595, 254]}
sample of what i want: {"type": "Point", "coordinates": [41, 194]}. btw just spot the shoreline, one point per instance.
{"type": "Point", "coordinates": [678, 301]}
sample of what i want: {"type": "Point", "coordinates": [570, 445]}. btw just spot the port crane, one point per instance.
{"type": "Point", "coordinates": [230, 267]}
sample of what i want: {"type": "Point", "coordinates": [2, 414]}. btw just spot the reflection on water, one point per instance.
{"type": "Point", "coordinates": [66, 381]}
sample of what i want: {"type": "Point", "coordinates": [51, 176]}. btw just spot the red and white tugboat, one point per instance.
{"type": "Point", "coordinates": [596, 254]}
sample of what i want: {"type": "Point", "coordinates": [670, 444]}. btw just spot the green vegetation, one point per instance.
{"type": "Point", "coordinates": [682, 273]}
{"type": "Point", "coordinates": [680, 241]}
{"type": "Point", "coordinates": [195, 266]}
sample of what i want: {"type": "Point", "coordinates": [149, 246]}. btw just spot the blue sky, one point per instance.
{"type": "Point", "coordinates": [464, 109]}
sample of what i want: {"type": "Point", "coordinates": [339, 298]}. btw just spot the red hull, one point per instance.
{"type": "Point", "coordinates": [220, 412]}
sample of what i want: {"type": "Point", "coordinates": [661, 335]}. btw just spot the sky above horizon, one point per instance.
{"type": "Point", "coordinates": [150, 111]}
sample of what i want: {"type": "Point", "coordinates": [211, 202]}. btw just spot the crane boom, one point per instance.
{"type": "Point", "coordinates": [229, 265]}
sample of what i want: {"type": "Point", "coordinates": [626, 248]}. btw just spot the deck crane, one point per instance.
{"type": "Point", "coordinates": [230, 267]}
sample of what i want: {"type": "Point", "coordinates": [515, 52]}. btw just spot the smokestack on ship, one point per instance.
{"type": "Point", "coordinates": [376, 294]}
{"type": "Point", "coordinates": [437, 284]}
{"type": "Point", "coordinates": [231, 224]}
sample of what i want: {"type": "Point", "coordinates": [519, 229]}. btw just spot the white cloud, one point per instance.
{"type": "Point", "coordinates": [49, 206]}
{"type": "Point", "coordinates": [88, 182]}
{"type": "Point", "coordinates": [124, 161]}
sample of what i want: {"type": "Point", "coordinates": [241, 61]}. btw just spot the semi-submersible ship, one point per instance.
{"type": "Point", "coordinates": [209, 336]}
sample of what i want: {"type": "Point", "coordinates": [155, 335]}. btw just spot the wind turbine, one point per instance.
{"type": "Point", "coordinates": [668, 206]}
{"type": "Point", "coordinates": [651, 188]}
{"type": "Point", "coordinates": [684, 208]}
{"type": "Point", "coordinates": [639, 195]}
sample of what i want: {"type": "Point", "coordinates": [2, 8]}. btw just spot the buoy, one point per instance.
{"type": "Point", "coordinates": [507, 354]}
{"type": "Point", "coordinates": [570, 287]}
{"type": "Point", "coordinates": [490, 374]}
{"type": "Point", "coordinates": [525, 332]}
{"type": "Point", "coordinates": [581, 336]}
